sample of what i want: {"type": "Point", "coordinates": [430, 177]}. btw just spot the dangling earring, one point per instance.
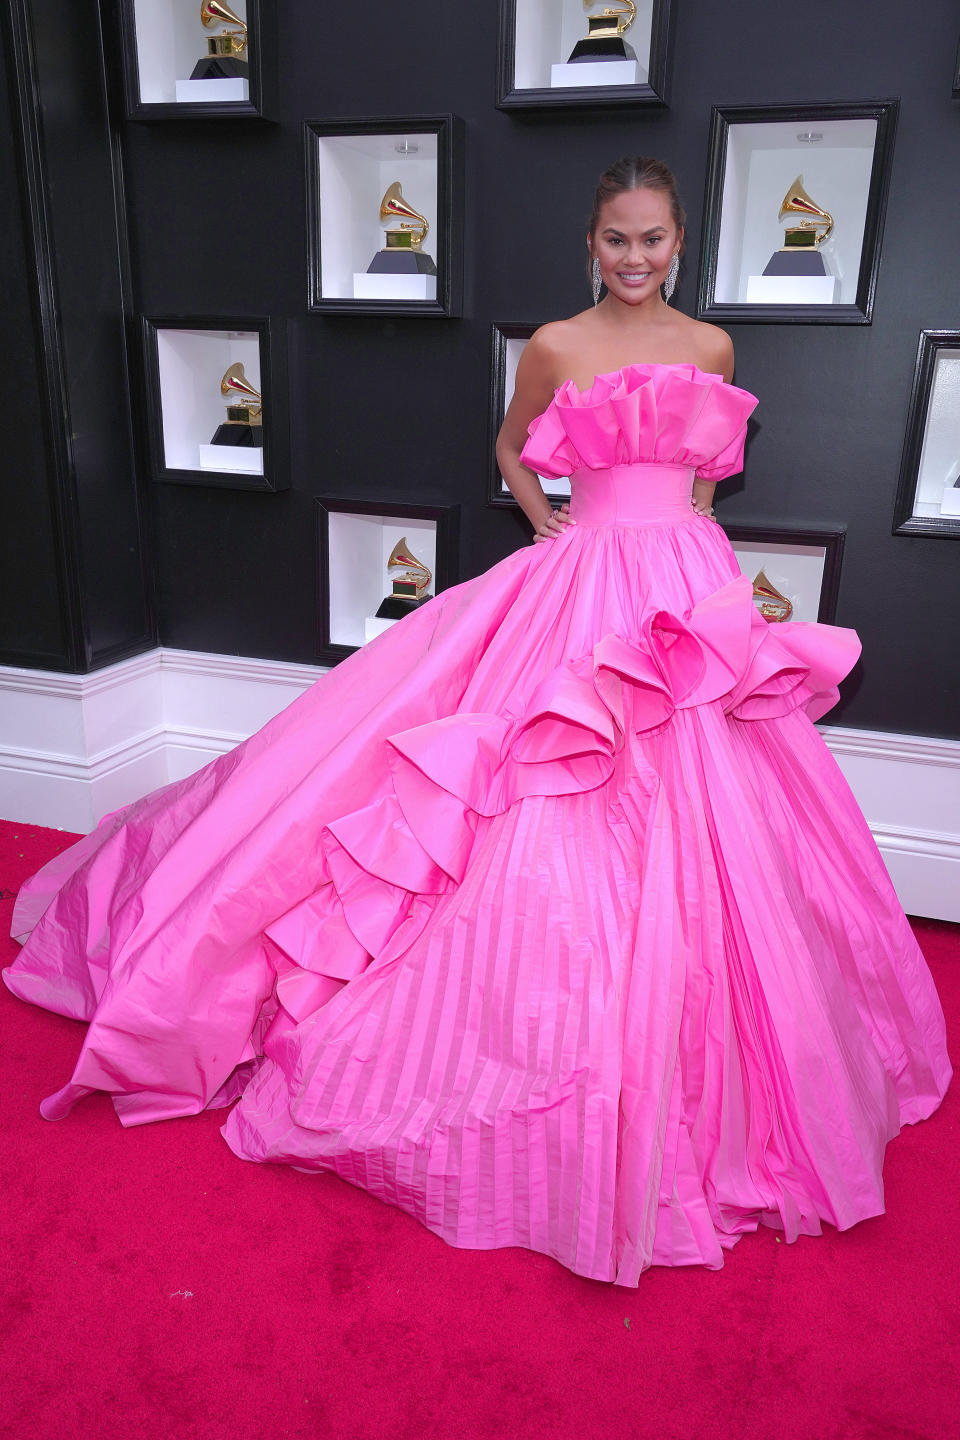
{"type": "Point", "coordinates": [669, 285]}
{"type": "Point", "coordinates": [596, 280]}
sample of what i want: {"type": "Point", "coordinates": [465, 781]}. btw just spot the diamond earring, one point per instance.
{"type": "Point", "coordinates": [596, 280]}
{"type": "Point", "coordinates": [669, 285]}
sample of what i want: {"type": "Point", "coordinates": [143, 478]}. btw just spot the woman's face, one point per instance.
{"type": "Point", "coordinates": [635, 240]}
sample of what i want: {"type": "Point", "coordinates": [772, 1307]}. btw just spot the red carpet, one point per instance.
{"type": "Point", "coordinates": [156, 1286]}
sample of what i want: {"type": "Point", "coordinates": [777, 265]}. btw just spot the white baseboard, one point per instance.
{"type": "Point", "coordinates": [908, 786]}
{"type": "Point", "coordinates": [74, 747]}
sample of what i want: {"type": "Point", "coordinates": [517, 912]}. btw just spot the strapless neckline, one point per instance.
{"type": "Point", "coordinates": [643, 365]}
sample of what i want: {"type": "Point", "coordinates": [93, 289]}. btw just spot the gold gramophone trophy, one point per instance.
{"type": "Point", "coordinates": [800, 251]}
{"type": "Point", "coordinates": [402, 254]}
{"type": "Point", "coordinates": [409, 588]}
{"type": "Point", "coordinates": [227, 53]}
{"type": "Point", "coordinates": [244, 422]}
{"type": "Point", "coordinates": [771, 602]}
{"type": "Point", "coordinates": [604, 38]}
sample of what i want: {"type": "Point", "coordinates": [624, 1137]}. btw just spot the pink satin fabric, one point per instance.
{"type": "Point", "coordinates": [643, 493]}
{"type": "Point", "coordinates": [547, 915]}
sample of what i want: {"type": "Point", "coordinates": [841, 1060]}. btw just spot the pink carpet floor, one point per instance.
{"type": "Point", "coordinates": [156, 1286]}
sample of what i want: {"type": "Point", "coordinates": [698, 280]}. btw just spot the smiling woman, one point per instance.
{"type": "Point", "coordinates": [651, 255]}
{"type": "Point", "coordinates": [635, 237]}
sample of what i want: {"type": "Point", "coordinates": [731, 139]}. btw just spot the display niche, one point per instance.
{"type": "Point", "coordinates": [213, 389]}
{"type": "Point", "coordinates": [197, 58]}
{"type": "Point", "coordinates": [795, 572]}
{"type": "Point", "coordinates": [794, 211]}
{"type": "Point", "coordinates": [378, 562]}
{"type": "Point", "coordinates": [384, 215]}
{"type": "Point", "coordinates": [507, 345]}
{"type": "Point", "coordinates": [928, 496]}
{"type": "Point", "coordinates": [556, 53]}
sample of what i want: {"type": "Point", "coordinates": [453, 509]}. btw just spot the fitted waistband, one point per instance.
{"type": "Point", "coordinates": [640, 494]}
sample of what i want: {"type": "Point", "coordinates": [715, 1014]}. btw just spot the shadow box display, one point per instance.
{"type": "Point", "coordinates": [506, 348]}
{"type": "Point", "coordinates": [583, 52]}
{"type": "Point", "coordinates": [928, 496]}
{"type": "Point", "coordinates": [377, 562]}
{"type": "Point", "coordinates": [384, 215]}
{"type": "Point", "coordinates": [956, 75]}
{"type": "Point", "coordinates": [795, 572]}
{"type": "Point", "coordinates": [197, 58]}
{"type": "Point", "coordinates": [794, 209]}
{"type": "Point", "coordinates": [212, 391]}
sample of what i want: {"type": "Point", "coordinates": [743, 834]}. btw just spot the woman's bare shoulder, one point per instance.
{"type": "Point", "coordinates": [553, 347]}
{"type": "Point", "coordinates": [711, 346]}
{"type": "Point", "coordinates": [558, 337]}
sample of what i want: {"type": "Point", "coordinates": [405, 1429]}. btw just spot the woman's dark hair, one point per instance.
{"type": "Point", "coordinates": [637, 172]}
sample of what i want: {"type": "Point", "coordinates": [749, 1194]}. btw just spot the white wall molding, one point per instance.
{"type": "Point", "coordinates": [908, 786]}
{"type": "Point", "coordinates": [73, 747]}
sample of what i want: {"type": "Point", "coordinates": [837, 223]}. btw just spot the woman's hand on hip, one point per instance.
{"type": "Point", "coordinates": [554, 524]}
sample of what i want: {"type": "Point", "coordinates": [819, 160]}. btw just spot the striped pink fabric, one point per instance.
{"type": "Point", "coordinates": [547, 916]}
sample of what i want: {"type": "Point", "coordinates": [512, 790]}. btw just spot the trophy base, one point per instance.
{"type": "Point", "coordinates": [795, 262]}
{"type": "Point", "coordinates": [606, 47]}
{"type": "Point", "coordinates": [220, 67]}
{"type": "Point", "coordinates": [394, 607]}
{"type": "Point", "coordinates": [791, 289]}
{"type": "Point", "coordinates": [401, 262]}
{"type": "Point", "coordinates": [600, 72]}
{"type": "Point", "coordinates": [233, 434]}
{"type": "Point", "coordinates": [231, 459]}
{"type": "Point", "coordinates": [950, 504]}
{"type": "Point", "coordinates": [394, 287]}
{"type": "Point", "coordinates": [212, 92]}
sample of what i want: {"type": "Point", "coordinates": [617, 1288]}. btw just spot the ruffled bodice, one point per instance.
{"type": "Point", "coordinates": [666, 414]}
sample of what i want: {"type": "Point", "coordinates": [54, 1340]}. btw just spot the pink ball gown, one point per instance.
{"type": "Point", "coordinates": [547, 916]}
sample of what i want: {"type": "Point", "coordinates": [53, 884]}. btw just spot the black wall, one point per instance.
{"type": "Point", "coordinates": [74, 566]}
{"type": "Point", "coordinates": [397, 408]}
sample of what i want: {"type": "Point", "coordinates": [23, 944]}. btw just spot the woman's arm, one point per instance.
{"type": "Point", "coordinates": [532, 393]}
{"type": "Point", "coordinates": [720, 363]}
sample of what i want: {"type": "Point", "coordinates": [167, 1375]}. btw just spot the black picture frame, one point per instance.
{"type": "Point", "coordinates": [447, 519]}
{"type": "Point", "coordinates": [652, 93]}
{"type": "Point", "coordinates": [905, 522]}
{"type": "Point", "coordinates": [956, 74]}
{"type": "Point", "coordinates": [500, 336]}
{"type": "Point", "coordinates": [261, 28]}
{"type": "Point", "coordinates": [449, 130]}
{"type": "Point", "coordinates": [829, 538]}
{"type": "Point", "coordinates": [723, 119]}
{"type": "Point", "coordinates": [273, 376]}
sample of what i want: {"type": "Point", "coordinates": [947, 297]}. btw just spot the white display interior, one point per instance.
{"type": "Point", "coordinates": [514, 349]}
{"type": "Point", "coordinates": [795, 570]}
{"type": "Point", "coordinates": [191, 364]}
{"type": "Point", "coordinates": [170, 41]}
{"type": "Point", "coordinates": [761, 162]}
{"type": "Point", "coordinates": [354, 172]}
{"type": "Point", "coordinates": [359, 548]}
{"type": "Point", "coordinates": [243, 460]}
{"type": "Point", "coordinates": [547, 31]}
{"type": "Point", "coordinates": [940, 455]}
{"type": "Point", "coordinates": [791, 289]}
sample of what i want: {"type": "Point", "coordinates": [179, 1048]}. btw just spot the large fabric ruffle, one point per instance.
{"type": "Point", "coordinates": [676, 414]}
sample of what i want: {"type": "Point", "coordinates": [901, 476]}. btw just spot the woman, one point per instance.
{"type": "Point", "coordinates": [547, 916]}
